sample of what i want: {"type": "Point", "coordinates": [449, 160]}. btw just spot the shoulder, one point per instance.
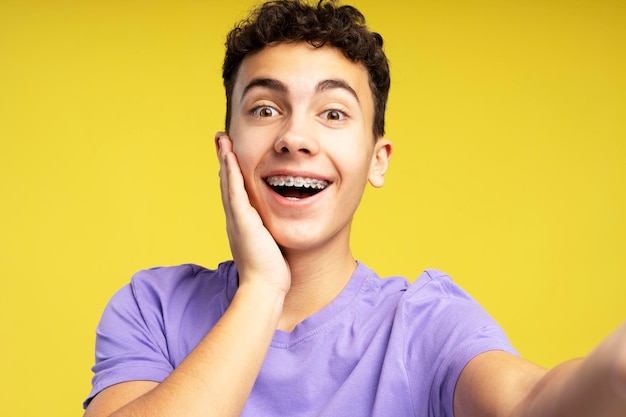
{"type": "Point", "coordinates": [430, 288]}
{"type": "Point", "coordinates": [435, 294]}
{"type": "Point", "coordinates": [433, 283]}
{"type": "Point", "coordinates": [435, 303]}
{"type": "Point", "coordinates": [162, 307]}
{"type": "Point", "coordinates": [155, 294]}
{"type": "Point", "coordinates": [173, 282]}
{"type": "Point", "coordinates": [444, 328]}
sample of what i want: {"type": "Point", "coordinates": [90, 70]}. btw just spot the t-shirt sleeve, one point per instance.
{"type": "Point", "coordinates": [448, 329]}
{"type": "Point", "coordinates": [130, 342]}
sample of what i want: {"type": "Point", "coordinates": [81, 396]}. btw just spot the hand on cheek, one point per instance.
{"type": "Point", "coordinates": [256, 254]}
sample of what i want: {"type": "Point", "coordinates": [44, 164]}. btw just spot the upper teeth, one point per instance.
{"type": "Point", "coordinates": [289, 181]}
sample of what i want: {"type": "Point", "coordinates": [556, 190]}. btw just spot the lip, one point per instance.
{"type": "Point", "coordinates": [299, 203]}
{"type": "Point", "coordinates": [294, 174]}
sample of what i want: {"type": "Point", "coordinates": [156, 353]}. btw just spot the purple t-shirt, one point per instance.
{"type": "Point", "coordinates": [383, 347]}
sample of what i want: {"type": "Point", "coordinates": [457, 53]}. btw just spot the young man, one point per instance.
{"type": "Point", "coordinates": [294, 325]}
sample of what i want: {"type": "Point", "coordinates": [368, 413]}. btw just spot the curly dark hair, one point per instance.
{"type": "Point", "coordinates": [340, 26]}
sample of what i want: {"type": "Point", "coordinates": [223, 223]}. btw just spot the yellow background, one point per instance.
{"type": "Point", "coordinates": [509, 172]}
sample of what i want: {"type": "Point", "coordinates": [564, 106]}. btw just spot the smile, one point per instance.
{"type": "Point", "coordinates": [296, 187]}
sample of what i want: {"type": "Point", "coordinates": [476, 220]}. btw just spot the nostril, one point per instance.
{"type": "Point", "coordinates": [293, 144]}
{"type": "Point", "coordinates": [285, 149]}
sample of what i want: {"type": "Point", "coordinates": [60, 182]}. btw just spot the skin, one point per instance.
{"type": "Point", "coordinates": [308, 112]}
{"type": "Point", "coordinates": [315, 124]}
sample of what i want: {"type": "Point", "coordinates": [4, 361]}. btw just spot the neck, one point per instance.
{"type": "Point", "coordinates": [317, 277]}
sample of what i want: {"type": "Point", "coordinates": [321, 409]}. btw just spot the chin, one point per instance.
{"type": "Point", "coordinates": [308, 241]}
{"type": "Point", "coordinates": [297, 244]}
{"type": "Point", "coordinates": [297, 239]}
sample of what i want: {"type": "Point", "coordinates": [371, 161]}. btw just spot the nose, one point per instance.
{"type": "Point", "coordinates": [297, 138]}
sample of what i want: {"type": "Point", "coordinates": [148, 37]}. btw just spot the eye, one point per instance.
{"type": "Point", "coordinates": [333, 115]}
{"type": "Point", "coordinates": [264, 112]}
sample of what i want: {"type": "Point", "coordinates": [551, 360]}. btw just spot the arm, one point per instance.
{"type": "Point", "coordinates": [217, 376]}
{"type": "Point", "coordinates": [502, 385]}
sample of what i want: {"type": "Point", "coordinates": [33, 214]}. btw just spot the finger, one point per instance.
{"type": "Point", "coordinates": [235, 183]}
{"type": "Point", "coordinates": [234, 195]}
{"type": "Point", "coordinates": [223, 147]}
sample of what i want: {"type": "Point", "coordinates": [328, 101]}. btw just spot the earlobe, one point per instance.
{"type": "Point", "coordinates": [380, 162]}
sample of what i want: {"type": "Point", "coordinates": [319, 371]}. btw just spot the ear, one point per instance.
{"type": "Point", "coordinates": [380, 161]}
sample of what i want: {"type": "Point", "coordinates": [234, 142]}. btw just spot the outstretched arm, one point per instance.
{"type": "Point", "coordinates": [217, 376]}
{"type": "Point", "coordinates": [502, 385]}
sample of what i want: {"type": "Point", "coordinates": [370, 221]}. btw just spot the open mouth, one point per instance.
{"type": "Point", "coordinates": [296, 188]}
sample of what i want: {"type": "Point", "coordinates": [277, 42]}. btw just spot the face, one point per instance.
{"type": "Point", "coordinates": [301, 128]}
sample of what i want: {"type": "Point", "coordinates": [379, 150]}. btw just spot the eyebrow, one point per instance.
{"type": "Point", "coordinates": [278, 86]}
{"type": "Point", "coordinates": [336, 84]}
{"type": "Point", "coordinates": [268, 83]}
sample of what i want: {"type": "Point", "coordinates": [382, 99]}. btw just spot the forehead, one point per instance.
{"type": "Point", "coordinates": [301, 68]}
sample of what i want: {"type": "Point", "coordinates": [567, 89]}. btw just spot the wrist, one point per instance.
{"type": "Point", "coordinates": [260, 300]}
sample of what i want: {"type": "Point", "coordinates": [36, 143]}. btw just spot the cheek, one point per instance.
{"type": "Point", "coordinates": [245, 163]}
{"type": "Point", "coordinates": [252, 149]}
{"type": "Point", "coordinates": [243, 150]}
{"type": "Point", "coordinates": [354, 159]}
